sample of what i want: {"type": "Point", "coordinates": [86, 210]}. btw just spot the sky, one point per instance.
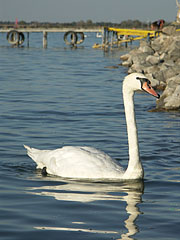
{"type": "Point", "coordinates": [95, 10]}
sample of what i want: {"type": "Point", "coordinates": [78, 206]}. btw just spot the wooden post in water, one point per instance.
{"type": "Point", "coordinates": [111, 43]}
{"type": "Point", "coordinates": [44, 39]}
{"type": "Point", "coordinates": [27, 39]}
{"type": "Point", "coordinates": [107, 38]}
{"type": "Point", "coordinates": [103, 36]}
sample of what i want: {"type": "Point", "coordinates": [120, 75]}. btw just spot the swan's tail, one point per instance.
{"type": "Point", "coordinates": [36, 155]}
{"type": "Point", "coordinates": [32, 152]}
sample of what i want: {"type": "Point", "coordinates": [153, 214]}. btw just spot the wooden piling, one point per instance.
{"type": "Point", "coordinates": [44, 39]}
{"type": "Point", "coordinates": [27, 39]}
{"type": "Point", "coordinates": [105, 38]}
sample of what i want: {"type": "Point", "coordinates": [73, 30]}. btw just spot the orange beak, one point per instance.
{"type": "Point", "coordinates": [147, 88]}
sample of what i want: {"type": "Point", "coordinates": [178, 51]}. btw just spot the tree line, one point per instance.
{"type": "Point", "coordinates": [79, 24]}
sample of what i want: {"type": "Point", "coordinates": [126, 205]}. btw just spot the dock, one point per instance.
{"type": "Point", "coordinates": [15, 36]}
{"type": "Point", "coordinates": [111, 37]}
{"type": "Point", "coordinates": [117, 36]}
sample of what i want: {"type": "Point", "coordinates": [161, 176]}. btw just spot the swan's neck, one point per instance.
{"type": "Point", "coordinates": [134, 169]}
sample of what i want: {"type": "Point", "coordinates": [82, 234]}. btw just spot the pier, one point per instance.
{"type": "Point", "coordinates": [117, 36]}
{"type": "Point", "coordinates": [111, 37]}
{"type": "Point", "coordinates": [16, 35]}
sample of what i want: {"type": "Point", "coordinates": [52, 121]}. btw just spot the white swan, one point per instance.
{"type": "Point", "coordinates": [90, 163]}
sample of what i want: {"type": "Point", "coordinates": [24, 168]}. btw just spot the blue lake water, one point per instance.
{"type": "Point", "coordinates": [61, 96]}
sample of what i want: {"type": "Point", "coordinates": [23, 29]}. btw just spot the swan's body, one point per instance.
{"type": "Point", "coordinates": [90, 163]}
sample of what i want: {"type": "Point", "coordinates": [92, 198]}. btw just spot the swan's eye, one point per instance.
{"type": "Point", "coordinates": [148, 83]}
{"type": "Point", "coordinates": [143, 80]}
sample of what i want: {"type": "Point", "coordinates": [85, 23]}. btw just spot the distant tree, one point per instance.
{"type": "Point", "coordinates": [80, 23]}
{"type": "Point", "coordinates": [89, 22]}
{"type": "Point", "coordinates": [22, 22]}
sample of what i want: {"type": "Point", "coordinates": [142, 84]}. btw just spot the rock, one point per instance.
{"type": "Point", "coordinates": [176, 69]}
{"type": "Point", "coordinates": [170, 99]}
{"type": "Point", "coordinates": [177, 62]}
{"type": "Point", "coordinates": [163, 56]}
{"type": "Point", "coordinates": [125, 57]}
{"type": "Point", "coordinates": [156, 46]}
{"type": "Point", "coordinates": [174, 51]}
{"type": "Point", "coordinates": [159, 75]}
{"type": "Point", "coordinates": [158, 43]}
{"type": "Point", "coordinates": [168, 63]}
{"type": "Point", "coordinates": [144, 43]}
{"type": "Point", "coordinates": [153, 60]}
{"type": "Point", "coordinates": [160, 62]}
{"type": "Point", "coordinates": [169, 30]}
{"type": "Point", "coordinates": [136, 67]}
{"type": "Point", "coordinates": [156, 54]}
{"type": "Point", "coordinates": [173, 101]}
{"type": "Point", "coordinates": [174, 80]}
{"type": "Point", "coordinates": [170, 72]}
{"type": "Point", "coordinates": [139, 58]}
{"type": "Point", "coordinates": [127, 63]}
{"type": "Point", "coordinates": [151, 69]}
{"type": "Point", "coordinates": [146, 48]}
{"type": "Point", "coordinates": [161, 86]}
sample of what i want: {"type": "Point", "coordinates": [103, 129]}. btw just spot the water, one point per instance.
{"type": "Point", "coordinates": [61, 96]}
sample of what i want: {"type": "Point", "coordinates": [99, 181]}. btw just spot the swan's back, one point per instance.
{"type": "Point", "coordinates": [76, 162]}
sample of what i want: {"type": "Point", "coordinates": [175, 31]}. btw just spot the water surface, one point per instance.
{"type": "Point", "coordinates": [61, 96]}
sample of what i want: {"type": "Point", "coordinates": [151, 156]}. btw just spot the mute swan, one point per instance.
{"type": "Point", "coordinates": [90, 163]}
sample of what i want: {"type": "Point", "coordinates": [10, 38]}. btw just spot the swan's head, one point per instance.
{"type": "Point", "coordinates": [138, 82]}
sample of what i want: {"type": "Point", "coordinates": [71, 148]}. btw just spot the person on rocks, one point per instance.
{"type": "Point", "coordinates": [157, 25]}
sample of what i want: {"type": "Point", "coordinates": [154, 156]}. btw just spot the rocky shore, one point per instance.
{"type": "Point", "coordinates": [159, 60]}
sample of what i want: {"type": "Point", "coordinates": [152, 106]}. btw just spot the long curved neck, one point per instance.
{"type": "Point", "coordinates": [134, 169]}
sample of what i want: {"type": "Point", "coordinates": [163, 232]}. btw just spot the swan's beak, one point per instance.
{"type": "Point", "coordinates": [148, 88]}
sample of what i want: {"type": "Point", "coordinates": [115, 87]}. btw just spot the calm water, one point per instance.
{"type": "Point", "coordinates": [61, 96]}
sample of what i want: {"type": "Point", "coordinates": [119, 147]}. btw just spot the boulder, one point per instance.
{"type": "Point", "coordinates": [159, 76]}
{"type": "Point", "coordinates": [160, 62]}
{"type": "Point", "coordinates": [139, 58]}
{"type": "Point", "coordinates": [169, 73]}
{"type": "Point", "coordinates": [174, 50]}
{"type": "Point", "coordinates": [136, 67]}
{"type": "Point", "coordinates": [125, 57]}
{"type": "Point", "coordinates": [153, 60]}
{"type": "Point", "coordinates": [127, 63]}
{"type": "Point", "coordinates": [146, 48]}
{"type": "Point", "coordinates": [169, 30]}
{"type": "Point", "coordinates": [168, 63]}
{"type": "Point", "coordinates": [151, 69]}
{"type": "Point", "coordinates": [158, 43]}
{"type": "Point", "coordinates": [173, 101]}
{"type": "Point", "coordinates": [170, 99]}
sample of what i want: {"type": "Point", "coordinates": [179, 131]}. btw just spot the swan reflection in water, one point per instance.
{"type": "Point", "coordinates": [86, 192]}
